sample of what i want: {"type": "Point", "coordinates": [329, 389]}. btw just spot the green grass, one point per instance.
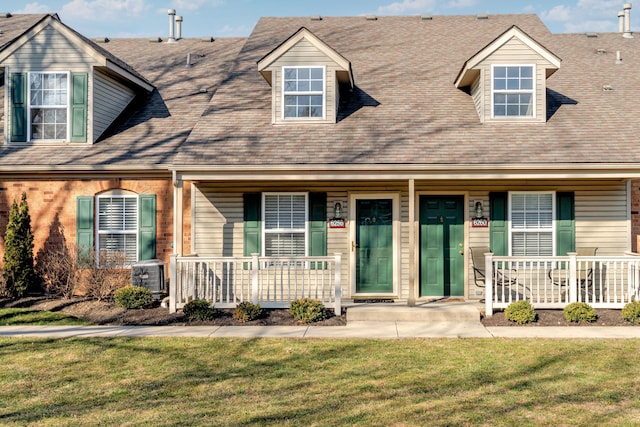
{"type": "Point", "coordinates": [240, 382]}
{"type": "Point", "coordinates": [26, 316]}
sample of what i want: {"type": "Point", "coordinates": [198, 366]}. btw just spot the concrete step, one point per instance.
{"type": "Point", "coordinates": [428, 312]}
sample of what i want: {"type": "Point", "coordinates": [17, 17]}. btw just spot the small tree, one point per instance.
{"type": "Point", "coordinates": [19, 271]}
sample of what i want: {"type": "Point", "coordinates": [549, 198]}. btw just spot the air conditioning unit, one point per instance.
{"type": "Point", "coordinates": [150, 274]}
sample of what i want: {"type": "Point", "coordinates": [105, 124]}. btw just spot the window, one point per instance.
{"type": "Point", "coordinates": [117, 232]}
{"type": "Point", "coordinates": [285, 224]}
{"type": "Point", "coordinates": [303, 92]}
{"type": "Point", "coordinates": [531, 218]}
{"type": "Point", "coordinates": [513, 90]}
{"type": "Point", "coordinates": [48, 104]}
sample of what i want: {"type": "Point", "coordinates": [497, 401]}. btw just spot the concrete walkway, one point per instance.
{"type": "Point", "coordinates": [375, 330]}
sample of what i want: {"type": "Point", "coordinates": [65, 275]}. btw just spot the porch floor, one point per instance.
{"type": "Point", "coordinates": [423, 311]}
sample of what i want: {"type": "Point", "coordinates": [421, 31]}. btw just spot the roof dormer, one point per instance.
{"type": "Point", "coordinates": [507, 78]}
{"type": "Point", "coordinates": [306, 76]}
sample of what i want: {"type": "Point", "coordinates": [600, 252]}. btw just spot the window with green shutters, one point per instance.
{"type": "Point", "coordinates": [121, 224]}
{"type": "Point", "coordinates": [49, 106]}
{"type": "Point", "coordinates": [532, 223]}
{"type": "Point", "coordinates": [285, 224]}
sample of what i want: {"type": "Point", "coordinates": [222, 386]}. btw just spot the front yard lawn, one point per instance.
{"type": "Point", "coordinates": [240, 382]}
{"type": "Point", "coordinates": [27, 316]}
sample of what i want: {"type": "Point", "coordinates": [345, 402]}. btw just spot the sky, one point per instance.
{"type": "Point", "coordinates": [230, 18]}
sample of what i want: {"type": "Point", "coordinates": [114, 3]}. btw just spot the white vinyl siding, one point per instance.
{"type": "Point", "coordinates": [110, 99]}
{"type": "Point", "coordinates": [305, 54]}
{"type": "Point", "coordinates": [531, 224]}
{"type": "Point", "coordinates": [48, 95]}
{"type": "Point", "coordinates": [517, 53]}
{"type": "Point", "coordinates": [285, 224]}
{"type": "Point", "coordinates": [118, 226]}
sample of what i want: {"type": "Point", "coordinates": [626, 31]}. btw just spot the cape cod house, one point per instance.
{"type": "Point", "coordinates": [353, 158]}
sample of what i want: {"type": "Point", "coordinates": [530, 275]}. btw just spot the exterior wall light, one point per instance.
{"type": "Point", "coordinates": [337, 210]}
{"type": "Point", "coordinates": [478, 209]}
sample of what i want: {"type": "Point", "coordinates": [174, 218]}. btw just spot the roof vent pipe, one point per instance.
{"type": "Point", "coordinates": [627, 21]}
{"type": "Point", "coordinates": [621, 21]}
{"type": "Point", "coordinates": [172, 19]}
{"type": "Point", "coordinates": [178, 27]}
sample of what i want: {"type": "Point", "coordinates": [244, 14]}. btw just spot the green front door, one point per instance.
{"type": "Point", "coordinates": [441, 246]}
{"type": "Point", "coordinates": [374, 246]}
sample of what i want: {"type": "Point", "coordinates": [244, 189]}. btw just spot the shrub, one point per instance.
{"type": "Point", "coordinates": [133, 297]}
{"type": "Point", "coordinates": [198, 310]}
{"type": "Point", "coordinates": [307, 310]}
{"type": "Point", "coordinates": [101, 281]}
{"type": "Point", "coordinates": [247, 311]}
{"type": "Point", "coordinates": [521, 312]}
{"type": "Point", "coordinates": [631, 312]}
{"type": "Point", "coordinates": [579, 312]}
{"type": "Point", "coordinates": [19, 271]}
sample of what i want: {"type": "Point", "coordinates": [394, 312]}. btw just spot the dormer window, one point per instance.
{"type": "Point", "coordinates": [303, 92]}
{"type": "Point", "coordinates": [513, 90]}
{"type": "Point", "coordinates": [48, 106]}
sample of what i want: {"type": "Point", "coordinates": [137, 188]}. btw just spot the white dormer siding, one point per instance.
{"type": "Point", "coordinates": [513, 49]}
{"type": "Point", "coordinates": [304, 54]}
{"type": "Point", "coordinates": [110, 98]}
{"type": "Point", "coordinates": [514, 53]}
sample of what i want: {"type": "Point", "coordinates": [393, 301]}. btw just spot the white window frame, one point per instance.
{"type": "Point", "coordinates": [533, 230]}
{"type": "Point", "coordinates": [532, 91]}
{"type": "Point", "coordinates": [304, 230]}
{"type": "Point", "coordinates": [305, 93]}
{"type": "Point", "coordinates": [99, 232]}
{"type": "Point", "coordinates": [30, 106]}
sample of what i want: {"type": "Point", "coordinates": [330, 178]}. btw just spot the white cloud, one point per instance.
{"type": "Point", "coordinates": [230, 31]}
{"type": "Point", "coordinates": [180, 5]}
{"type": "Point", "coordinates": [559, 13]}
{"type": "Point", "coordinates": [462, 3]}
{"type": "Point", "coordinates": [103, 10]}
{"type": "Point", "coordinates": [34, 8]}
{"type": "Point", "coordinates": [586, 15]}
{"type": "Point", "coordinates": [407, 6]}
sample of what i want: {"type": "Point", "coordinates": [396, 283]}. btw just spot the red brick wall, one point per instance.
{"type": "Point", "coordinates": [635, 214]}
{"type": "Point", "coordinates": [52, 206]}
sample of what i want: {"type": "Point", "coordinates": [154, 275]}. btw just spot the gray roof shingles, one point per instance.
{"type": "Point", "coordinates": [406, 110]}
{"type": "Point", "coordinates": [149, 133]}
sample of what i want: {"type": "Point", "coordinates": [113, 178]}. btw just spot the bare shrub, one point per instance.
{"type": "Point", "coordinates": [58, 269]}
{"type": "Point", "coordinates": [100, 282]}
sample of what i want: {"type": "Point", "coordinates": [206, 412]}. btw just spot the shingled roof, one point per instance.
{"type": "Point", "coordinates": [406, 110]}
{"type": "Point", "coordinates": [149, 133]}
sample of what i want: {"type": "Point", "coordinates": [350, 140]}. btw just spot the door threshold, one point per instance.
{"type": "Point", "coordinates": [374, 300]}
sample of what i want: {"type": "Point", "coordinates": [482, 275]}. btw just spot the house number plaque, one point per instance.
{"type": "Point", "coordinates": [337, 223]}
{"type": "Point", "coordinates": [480, 222]}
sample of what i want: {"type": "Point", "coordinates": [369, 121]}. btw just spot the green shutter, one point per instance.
{"type": "Point", "coordinates": [499, 223]}
{"type": "Point", "coordinates": [147, 227]}
{"type": "Point", "coordinates": [79, 89]}
{"type": "Point", "coordinates": [19, 107]}
{"type": "Point", "coordinates": [565, 223]}
{"type": "Point", "coordinates": [317, 224]}
{"type": "Point", "coordinates": [84, 228]}
{"type": "Point", "coordinates": [252, 223]}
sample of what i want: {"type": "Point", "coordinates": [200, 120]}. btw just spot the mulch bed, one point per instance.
{"type": "Point", "coordinates": [106, 313]}
{"type": "Point", "coordinates": [606, 317]}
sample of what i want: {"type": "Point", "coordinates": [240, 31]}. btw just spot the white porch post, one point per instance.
{"type": "Point", "coordinates": [173, 283]}
{"type": "Point", "coordinates": [411, 301]}
{"type": "Point", "coordinates": [255, 268]}
{"type": "Point", "coordinates": [488, 284]}
{"type": "Point", "coordinates": [178, 226]}
{"type": "Point", "coordinates": [338, 286]}
{"type": "Point", "coordinates": [573, 277]}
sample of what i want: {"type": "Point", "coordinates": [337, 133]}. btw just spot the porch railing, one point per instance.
{"type": "Point", "coordinates": [555, 282]}
{"type": "Point", "coordinates": [272, 282]}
